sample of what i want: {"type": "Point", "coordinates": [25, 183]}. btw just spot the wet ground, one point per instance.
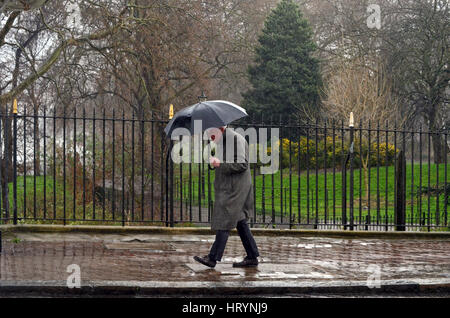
{"type": "Point", "coordinates": [165, 261]}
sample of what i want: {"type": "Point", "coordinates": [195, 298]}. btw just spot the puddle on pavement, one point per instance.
{"type": "Point", "coordinates": [41, 256]}
{"type": "Point", "coordinates": [157, 246]}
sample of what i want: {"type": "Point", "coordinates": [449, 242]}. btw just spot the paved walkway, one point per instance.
{"type": "Point", "coordinates": [163, 264]}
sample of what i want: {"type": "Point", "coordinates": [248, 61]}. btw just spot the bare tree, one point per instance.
{"type": "Point", "coordinates": [416, 48]}
{"type": "Point", "coordinates": [25, 64]}
{"type": "Point", "coordinates": [362, 87]}
{"type": "Point", "coordinates": [413, 43]}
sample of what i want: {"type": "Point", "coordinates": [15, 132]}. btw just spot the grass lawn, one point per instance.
{"type": "Point", "coordinates": [31, 204]}
{"type": "Point", "coordinates": [292, 197]}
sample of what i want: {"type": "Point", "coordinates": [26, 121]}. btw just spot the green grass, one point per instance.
{"type": "Point", "coordinates": [35, 200]}
{"type": "Point", "coordinates": [300, 201]}
{"type": "Point", "coordinates": [30, 197]}
{"type": "Point", "coordinates": [306, 203]}
{"type": "Point", "coordinates": [32, 208]}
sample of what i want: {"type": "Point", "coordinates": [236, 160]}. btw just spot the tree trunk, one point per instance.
{"type": "Point", "coordinates": [440, 149]}
{"type": "Point", "coordinates": [6, 163]}
{"type": "Point", "coordinates": [366, 183]}
{"type": "Point", "coordinates": [365, 166]}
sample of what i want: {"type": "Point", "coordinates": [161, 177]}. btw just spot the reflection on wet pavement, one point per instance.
{"type": "Point", "coordinates": [45, 257]}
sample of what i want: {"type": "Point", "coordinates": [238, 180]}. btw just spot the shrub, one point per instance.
{"type": "Point", "coordinates": [325, 156]}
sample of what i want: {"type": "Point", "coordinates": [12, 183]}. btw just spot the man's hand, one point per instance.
{"type": "Point", "coordinates": [215, 162]}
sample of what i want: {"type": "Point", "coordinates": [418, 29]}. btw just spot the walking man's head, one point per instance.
{"type": "Point", "coordinates": [215, 134]}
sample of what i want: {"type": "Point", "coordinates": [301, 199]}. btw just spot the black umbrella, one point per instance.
{"type": "Point", "coordinates": [215, 113]}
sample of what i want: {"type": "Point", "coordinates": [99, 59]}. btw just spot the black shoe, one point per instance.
{"type": "Point", "coordinates": [205, 260]}
{"type": "Point", "coordinates": [247, 262]}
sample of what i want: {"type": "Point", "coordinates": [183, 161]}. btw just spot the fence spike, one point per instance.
{"type": "Point", "coordinates": [15, 106]}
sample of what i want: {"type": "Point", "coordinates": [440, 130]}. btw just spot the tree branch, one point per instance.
{"type": "Point", "coordinates": [8, 26]}
{"type": "Point", "coordinates": [8, 97]}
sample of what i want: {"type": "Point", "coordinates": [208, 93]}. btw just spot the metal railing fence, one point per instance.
{"type": "Point", "coordinates": [112, 168]}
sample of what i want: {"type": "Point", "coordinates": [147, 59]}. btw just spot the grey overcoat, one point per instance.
{"type": "Point", "coordinates": [233, 183]}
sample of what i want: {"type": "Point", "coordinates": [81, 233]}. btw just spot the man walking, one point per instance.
{"type": "Point", "coordinates": [233, 196]}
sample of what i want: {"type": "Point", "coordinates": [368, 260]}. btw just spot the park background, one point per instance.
{"type": "Point", "coordinates": [94, 82]}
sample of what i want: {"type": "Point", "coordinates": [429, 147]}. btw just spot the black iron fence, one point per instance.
{"type": "Point", "coordinates": [113, 168]}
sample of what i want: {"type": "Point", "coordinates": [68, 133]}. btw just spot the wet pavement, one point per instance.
{"type": "Point", "coordinates": [165, 262]}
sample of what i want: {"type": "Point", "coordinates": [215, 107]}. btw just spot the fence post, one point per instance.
{"type": "Point", "coordinates": [352, 144]}
{"type": "Point", "coordinates": [15, 161]}
{"type": "Point", "coordinates": [344, 191]}
{"type": "Point", "coordinates": [171, 166]}
{"type": "Point", "coordinates": [169, 193]}
{"type": "Point", "coordinates": [166, 181]}
{"type": "Point", "coordinates": [400, 199]}
{"type": "Point", "coordinates": [2, 201]}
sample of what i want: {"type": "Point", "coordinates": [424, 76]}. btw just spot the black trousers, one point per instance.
{"type": "Point", "coordinates": [247, 239]}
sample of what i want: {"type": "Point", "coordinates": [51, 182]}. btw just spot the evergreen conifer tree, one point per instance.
{"type": "Point", "coordinates": [285, 76]}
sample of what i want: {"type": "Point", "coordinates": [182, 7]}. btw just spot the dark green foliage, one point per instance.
{"type": "Point", "coordinates": [326, 157]}
{"type": "Point", "coordinates": [285, 76]}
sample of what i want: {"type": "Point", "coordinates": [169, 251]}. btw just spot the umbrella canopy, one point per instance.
{"type": "Point", "coordinates": [216, 113]}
